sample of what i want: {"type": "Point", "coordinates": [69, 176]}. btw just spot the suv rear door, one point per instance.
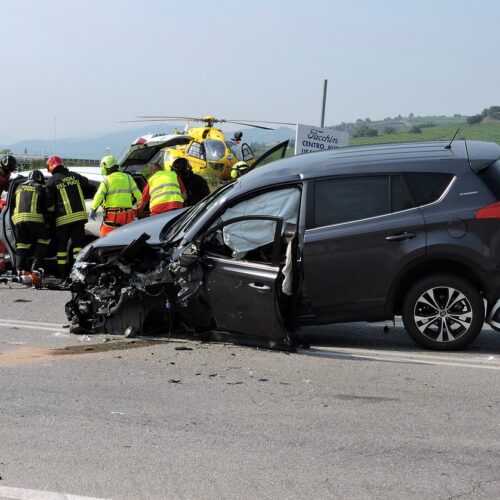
{"type": "Point", "coordinates": [360, 232]}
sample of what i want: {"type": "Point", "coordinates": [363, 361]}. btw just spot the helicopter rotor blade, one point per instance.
{"type": "Point", "coordinates": [143, 121]}
{"type": "Point", "coordinates": [166, 118]}
{"type": "Point", "coordinates": [248, 125]}
{"type": "Point", "coordinates": [263, 121]}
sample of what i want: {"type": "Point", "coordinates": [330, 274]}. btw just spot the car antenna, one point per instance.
{"type": "Point", "coordinates": [452, 139]}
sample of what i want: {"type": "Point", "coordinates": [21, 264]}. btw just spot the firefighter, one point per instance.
{"type": "Point", "coordinates": [29, 209]}
{"type": "Point", "coordinates": [164, 191]}
{"type": "Point", "coordinates": [8, 164]}
{"type": "Point", "coordinates": [196, 186]}
{"type": "Point", "coordinates": [117, 193]}
{"type": "Point", "coordinates": [66, 205]}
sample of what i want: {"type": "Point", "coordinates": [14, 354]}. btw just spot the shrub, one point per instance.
{"type": "Point", "coordinates": [472, 120]}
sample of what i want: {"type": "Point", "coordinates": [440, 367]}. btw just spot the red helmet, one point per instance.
{"type": "Point", "coordinates": [53, 162]}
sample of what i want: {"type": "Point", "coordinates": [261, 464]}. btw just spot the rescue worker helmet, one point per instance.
{"type": "Point", "coordinates": [36, 176]}
{"type": "Point", "coordinates": [8, 163]}
{"type": "Point", "coordinates": [107, 163]}
{"type": "Point", "coordinates": [239, 169]}
{"type": "Point", "coordinates": [53, 162]}
{"type": "Point", "coordinates": [181, 166]}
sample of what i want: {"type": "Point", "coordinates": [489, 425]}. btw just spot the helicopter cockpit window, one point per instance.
{"type": "Point", "coordinates": [246, 151]}
{"type": "Point", "coordinates": [214, 149]}
{"type": "Point", "coordinates": [235, 149]}
{"type": "Point", "coordinates": [196, 150]}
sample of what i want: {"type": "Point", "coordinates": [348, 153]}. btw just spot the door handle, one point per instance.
{"type": "Point", "coordinates": [259, 287]}
{"type": "Point", "coordinates": [401, 237]}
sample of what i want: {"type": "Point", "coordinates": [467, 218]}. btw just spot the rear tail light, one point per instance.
{"type": "Point", "coordinates": [491, 211]}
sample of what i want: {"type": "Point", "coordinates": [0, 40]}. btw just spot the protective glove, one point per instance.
{"type": "Point", "coordinates": [92, 215]}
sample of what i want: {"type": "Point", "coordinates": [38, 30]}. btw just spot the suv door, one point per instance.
{"type": "Point", "coordinates": [244, 294]}
{"type": "Point", "coordinates": [242, 256]}
{"type": "Point", "coordinates": [361, 231]}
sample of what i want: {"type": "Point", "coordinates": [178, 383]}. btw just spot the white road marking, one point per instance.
{"type": "Point", "coordinates": [8, 321]}
{"type": "Point", "coordinates": [403, 357]}
{"type": "Point", "coordinates": [24, 494]}
{"type": "Point", "coordinates": [30, 325]}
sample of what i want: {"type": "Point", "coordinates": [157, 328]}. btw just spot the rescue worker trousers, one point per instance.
{"type": "Point", "coordinates": [115, 218]}
{"type": "Point", "coordinates": [32, 239]}
{"type": "Point", "coordinates": [74, 232]}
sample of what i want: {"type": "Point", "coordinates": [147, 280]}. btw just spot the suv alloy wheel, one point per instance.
{"type": "Point", "coordinates": [443, 312]}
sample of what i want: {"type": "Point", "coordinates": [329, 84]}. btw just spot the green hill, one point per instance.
{"type": "Point", "coordinates": [485, 131]}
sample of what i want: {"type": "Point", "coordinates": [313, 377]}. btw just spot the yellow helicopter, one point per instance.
{"type": "Point", "coordinates": [209, 152]}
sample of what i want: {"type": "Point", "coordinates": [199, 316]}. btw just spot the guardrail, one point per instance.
{"type": "Point", "coordinates": [22, 158]}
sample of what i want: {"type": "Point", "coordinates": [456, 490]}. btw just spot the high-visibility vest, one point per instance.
{"type": "Point", "coordinates": [163, 188]}
{"type": "Point", "coordinates": [117, 190]}
{"type": "Point", "coordinates": [30, 204]}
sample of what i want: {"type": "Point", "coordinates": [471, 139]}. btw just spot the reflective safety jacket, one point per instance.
{"type": "Point", "coordinates": [30, 203]}
{"type": "Point", "coordinates": [164, 188]}
{"type": "Point", "coordinates": [65, 196]}
{"type": "Point", "coordinates": [117, 190]}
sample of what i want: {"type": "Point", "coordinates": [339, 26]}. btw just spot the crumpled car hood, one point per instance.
{"type": "Point", "coordinates": [150, 225]}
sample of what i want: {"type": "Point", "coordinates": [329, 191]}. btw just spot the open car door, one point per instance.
{"type": "Point", "coordinates": [7, 233]}
{"type": "Point", "coordinates": [148, 148]}
{"type": "Point", "coordinates": [242, 278]}
{"type": "Point", "coordinates": [282, 146]}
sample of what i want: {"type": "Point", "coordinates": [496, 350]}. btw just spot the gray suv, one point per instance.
{"type": "Point", "coordinates": [352, 234]}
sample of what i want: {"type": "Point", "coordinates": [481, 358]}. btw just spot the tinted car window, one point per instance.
{"type": "Point", "coordinates": [349, 199]}
{"type": "Point", "coordinates": [426, 187]}
{"type": "Point", "coordinates": [400, 195]}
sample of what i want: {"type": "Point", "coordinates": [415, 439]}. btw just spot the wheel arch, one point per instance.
{"type": "Point", "coordinates": [410, 275]}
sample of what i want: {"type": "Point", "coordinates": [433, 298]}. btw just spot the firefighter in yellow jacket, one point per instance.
{"type": "Point", "coordinates": [66, 205]}
{"type": "Point", "coordinates": [28, 216]}
{"type": "Point", "coordinates": [117, 193]}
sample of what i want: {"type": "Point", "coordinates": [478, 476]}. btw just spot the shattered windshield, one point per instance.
{"type": "Point", "coordinates": [179, 228]}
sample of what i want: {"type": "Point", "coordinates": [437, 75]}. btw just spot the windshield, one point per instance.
{"type": "Point", "coordinates": [214, 149]}
{"type": "Point", "coordinates": [179, 228]}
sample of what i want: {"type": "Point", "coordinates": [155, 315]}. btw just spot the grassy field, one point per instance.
{"type": "Point", "coordinates": [489, 131]}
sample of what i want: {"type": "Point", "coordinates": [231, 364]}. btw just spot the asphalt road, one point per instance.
{"type": "Point", "coordinates": [362, 414]}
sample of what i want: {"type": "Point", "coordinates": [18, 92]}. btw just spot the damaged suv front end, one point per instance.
{"type": "Point", "coordinates": [214, 268]}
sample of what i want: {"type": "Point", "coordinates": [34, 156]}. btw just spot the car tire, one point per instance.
{"type": "Point", "coordinates": [443, 312]}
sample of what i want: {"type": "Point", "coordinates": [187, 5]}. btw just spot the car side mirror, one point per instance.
{"type": "Point", "coordinates": [290, 230]}
{"type": "Point", "coordinates": [189, 255]}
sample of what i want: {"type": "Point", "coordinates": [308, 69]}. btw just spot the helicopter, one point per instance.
{"type": "Point", "coordinates": [209, 152]}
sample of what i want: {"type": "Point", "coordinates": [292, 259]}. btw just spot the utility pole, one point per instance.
{"type": "Point", "coordinates": [55, 135]}
{"type": "Point", "coordinates": [325, 85]}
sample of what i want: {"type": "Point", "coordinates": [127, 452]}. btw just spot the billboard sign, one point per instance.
{"type": "Point", "coordinates": [309, 139]}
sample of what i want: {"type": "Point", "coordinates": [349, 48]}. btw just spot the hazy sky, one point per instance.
{"type": "Point", "coordinates": [92, 63]}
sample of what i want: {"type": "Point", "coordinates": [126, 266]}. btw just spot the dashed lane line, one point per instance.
{"type": "Point", "coordinates": [30, 325]}
{"type": "Point", "coordinates": [25, 494]}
